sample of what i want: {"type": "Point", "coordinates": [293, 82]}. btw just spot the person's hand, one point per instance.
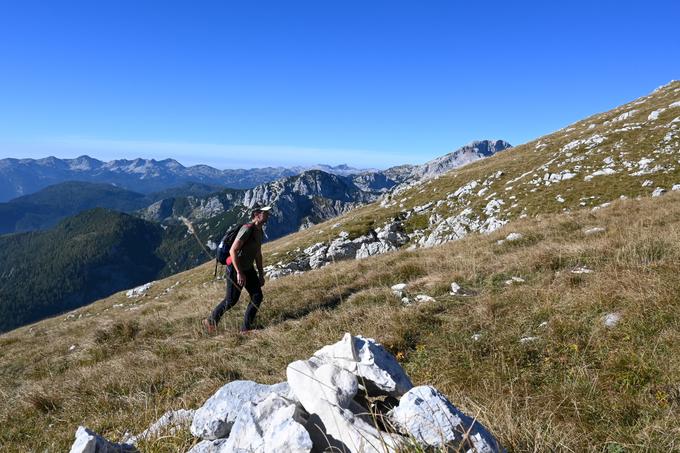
{"type": "Point", "coordinates": [240, 279]}
{"type": "Point", "coordinates": [261, 279]}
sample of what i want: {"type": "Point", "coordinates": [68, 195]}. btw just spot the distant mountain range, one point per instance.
{"type": "Point", "coordinates": [313, 196]}
{"type": "Point", "coordinates": [94, 251]}
{"type": "Point", "coordinates": [25, 176]}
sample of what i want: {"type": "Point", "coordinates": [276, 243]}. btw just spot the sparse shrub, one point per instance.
{"type": "Point", "coordinates": [416, 222]}
{"type": "Point", "coordinates": [224, 373]}
{"type": "Point", "coordinates": [43, 402]}
{"type": "Point", "coordinates": [630, 373]}
{"type": "Point", "coordinates": [647, 251]}
{"type": "Point", "coordinates": [120, 332]}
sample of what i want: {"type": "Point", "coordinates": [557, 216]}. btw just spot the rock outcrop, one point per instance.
{"type": "Point", "coordinates": [89, 442]}
{"type": "Point", "coordinates": [350, 396]}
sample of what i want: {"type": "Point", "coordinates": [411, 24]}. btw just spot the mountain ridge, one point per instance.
{"type": "Point", "coordinates": [25, 176]}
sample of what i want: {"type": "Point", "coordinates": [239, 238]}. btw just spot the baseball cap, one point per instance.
{"type": "Point", "coordinates": [256, 208]}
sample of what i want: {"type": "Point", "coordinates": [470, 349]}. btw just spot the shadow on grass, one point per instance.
{"type": "Point", "coordinates": [327, 303]}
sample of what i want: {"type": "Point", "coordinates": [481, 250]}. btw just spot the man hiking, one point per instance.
{"type": "Point", "coordinates": [246, 250]}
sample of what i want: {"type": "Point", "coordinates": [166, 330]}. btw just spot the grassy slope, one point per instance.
{"type": "Point", "coordinates": [580, 386]}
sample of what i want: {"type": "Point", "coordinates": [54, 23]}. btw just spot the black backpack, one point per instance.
{"type": "Point", "coordinates": [226, 243]}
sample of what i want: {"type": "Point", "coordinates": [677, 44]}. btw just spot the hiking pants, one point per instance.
{"type": "Point", "coordinates": [234, 292]}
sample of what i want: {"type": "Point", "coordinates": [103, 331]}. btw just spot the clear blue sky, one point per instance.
{"type": "Point", "coordinates": [367, 83]}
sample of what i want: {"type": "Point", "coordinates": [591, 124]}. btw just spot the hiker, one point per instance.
{"type": "Point", "coordinates": [244, 253]}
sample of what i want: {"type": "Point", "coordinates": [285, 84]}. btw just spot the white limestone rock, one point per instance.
{"type": "Point", "coordinates": [513, 237]}
{"type": "Point", "coordinates": [581, 270]}
{"type": "Point", "coordinates": [452, 228]}
{"type": "Point", "coordinates": [374, 248]}
{"type": "Point", "coordinates": [399, 289]}
{"type": "Point", "coordinates": [312, 249]}
{"type": "Point", "coordinates": [514, 281]}
{"type": "Point", "coordinates": [431, 419]}
{"type": "Point", "coordinates": [655, 114]}
{"type": "Point", "coordinates": [89, 442]}
{"type": "Point", "coordinates": [594, 230]}
{"type": "Point", "coordinates": [216, 417]}
{"type": "Point", "coordinates": [342, 248]}
{"type": "Point", "coordinates": [425, 298]}
{"type": "Point", "coordinates": [457, 290]}
{"type": "Point", "coordinates": [209, 446]}
{"type": "Point", "coordinates": [611, 319]}
{"type": "Point", "coordinates": [275, 425]}
{"type": "Point", "coordinates": [376, 369]}
{"type": "Point", "coordinates": [171, 421]}
{"type": "Point", "coordinates": [138, 291]}
{"type": "Point", "coordinates": [317, 255]}
{"type": "Point", "coordinates": [391, 233]}
{"type": "Point", "coordinates": [658, 192]}
{"type": "Point", "coordinates": [675, 187]}
{"type": "Point", "coordinates": [326, 391]}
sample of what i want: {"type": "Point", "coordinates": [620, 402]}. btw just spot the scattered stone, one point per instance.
{"type": "Point", "coordinates": [655, 114]}
{"type": "Point", "coordinates": [377, 369]}
{"type": "Point", "coordinates": [324, 406]}
{"type": "Point", "coordinates": [326, 392]}
{"type": "Point", "coordinates": [209, 446]}
{"type": "Point", "coordinates": [514, 281]}
{"type": "Point", "coordinates": [274, 425]}
{"type": "Point", "coordinates": [611, 320]}
{"type": "Point", "coordinates": [89, 442]}
{"type": "Point", "coordinates": [138, 291]}
{"type": "Point", "coordinates": [675, 187]}
{"type": "Point", "coordinates": [476, 337]}
{"type": "Point", "coordinates": [72, 348]}
{"type": "Point", "coordinates": [543, 325]}
{"type": "Point", "coordinates": [216, 417]}
{"type": "Point", "coordinates": [528, 339]}
{"type": "Point", "coordinates": [424, 298]}
{"type": "Point", "coordinates": [581, 270]}
{"type": "Point", "coordinates": [406, 301]}
{"type": "Point", "coordinates": [431, 419]}
{"type": "Point", "coordinates": [374, 248]}
{"type": "Point", "coordinates": [513, 237]}
{"type": "Point", "coordinates": [603, 205]}
{"type": "Point", "coordinates": [594, 230]}
{"type": "Point", "coordinates": [658, 192]}
{"type": "Point", "coordinates": [171, 420]}
{"type": "Point", "coordinates": [399, 289]}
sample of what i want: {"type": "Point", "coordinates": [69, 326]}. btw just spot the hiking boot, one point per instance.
{"type": "Point", "coordinates": [210, 327]}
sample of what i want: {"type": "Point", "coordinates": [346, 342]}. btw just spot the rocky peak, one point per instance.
{"type": "Point", "coordinates": [469, 153]}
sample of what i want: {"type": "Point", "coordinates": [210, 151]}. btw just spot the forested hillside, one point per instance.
{"type": "Point", "coordinates": [84, 258]}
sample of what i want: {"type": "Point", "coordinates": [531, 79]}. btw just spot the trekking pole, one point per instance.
{"type": "Point", "coordinates": [191, 229]}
